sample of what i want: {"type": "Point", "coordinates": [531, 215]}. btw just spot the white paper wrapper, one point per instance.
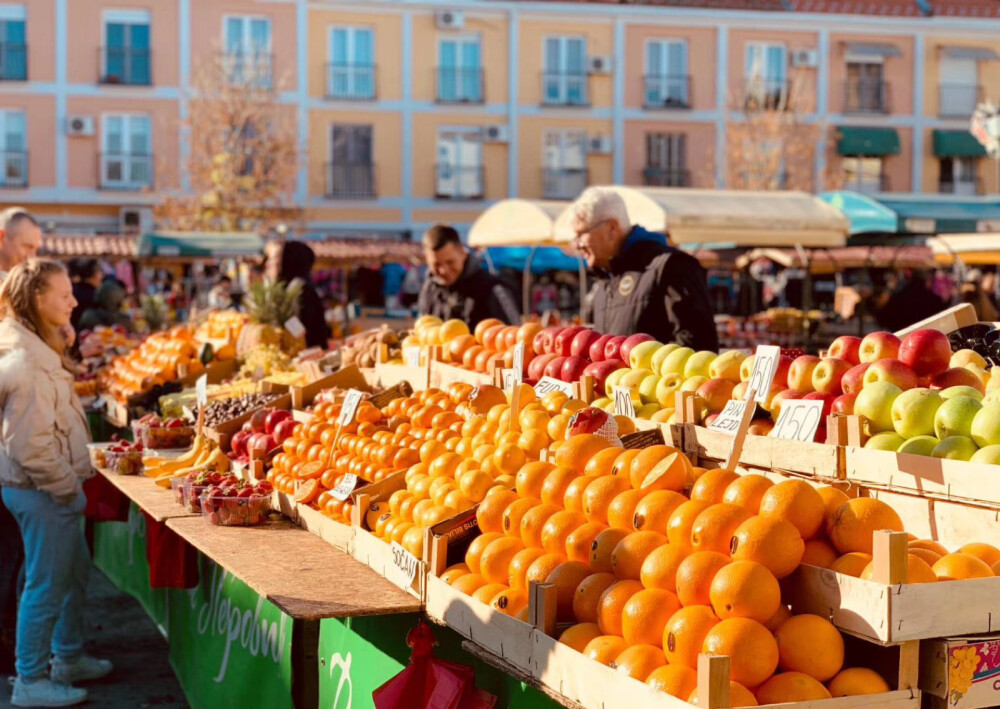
{"type": "Point", "coordinates": [608, 430]}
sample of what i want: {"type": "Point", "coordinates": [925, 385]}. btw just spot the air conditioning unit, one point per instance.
{"type": "Point", "coordinates": [599, 65]}
{"type": "Point", "coordinates": [495, 134]}
{"type": "Point", "coordinates": [135, 220]}
{"type": "Point", "coordinates": [80, 125]}
{"type": "Point", "coordinates": [599, 144]}
{"type": "Point", "coordinates": [449, 20]}
{"type": "Point", "coordinates": [806, 58]}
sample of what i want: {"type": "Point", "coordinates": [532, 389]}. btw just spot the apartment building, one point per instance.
{"type": "Point", "coordinates": [411, 112]}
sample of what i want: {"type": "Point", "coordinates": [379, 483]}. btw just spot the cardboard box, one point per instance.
{"type": "Point", "coordinates": [961, 673]}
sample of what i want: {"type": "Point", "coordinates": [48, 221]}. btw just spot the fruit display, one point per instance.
{"type": "Point", "coordinates": [264, 432]}
{"type": "Point", "coordinates": [98, 454]}
{"type": "Point", "coordinates": [203, 456]}
{"type": "Point", "coordinates": [124, 458]}
{"type": "Point", "coordinates": [161, 358]}
{"type": "Point", "coordinates": [236, 503]}
{"type": "Point", "coordinates": [157, 433]}
{"type": "Point", "coordinates": [363, 349]}
{"type": "Point", "coordinates": [264, 361]}
{"type": "Point", "coordinates": [269, 305]}
{"type": "Point", "coordinates": [221, 325]}
{"type": "Point", "coordinates": [222, 410]}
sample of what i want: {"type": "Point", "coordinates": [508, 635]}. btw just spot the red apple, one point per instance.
{"type": "Point", "coordinates": [600, 371]}
{"type": "Point", "coordinates": [572, 368]}
{"type": "Point", "coordinates": [630, 342]}
{"type": "Point", "coordinates": [238, 443]}
{"type": "Point", "coordinates": [740, 391]}
{"type": "Point", "coordinates": [612, 350]}
{"type": "Point", "coordinates": [846, 347]}
{"type": "Point", "coordinates": [893, 371]}
{"type": "Point", "coordinates": [564, 339]}
{"type": "Point", "coordinates": [710, 419]}
{"type": "Point", "coordinates": [580, 346]}
{"type": "Point", "coordinates": [926, 352]}
{"type": "Point", "coordinates": [597, 348]}
{"type": "Point", "coordinates": [801, 371]}
{"type": "Point", "coordinates": [284, 430]}
{"type": "Point", "coordinates": [587, 420]}
{"type": "Point", "coordinates": [828, 375]}
{"type": "Point", "coordinates": [957, 377]}
{"type": "Point", "coordinates": [260, 443]}
{"type": "Point", "coordinates": [854, 379]}
{"type": "Point", "coordinates": [760, 427]}
{"type": "Point", "coordinates": [274, 418]}
{"type": "Point", "coordinates": [827, 402]}
{"type": "Point", "coordinates": [784, 366]}
{"type": "Point", "coordinates": [536, 367]}
{"type": "Point", "coordinates": [878, 345]}
{"type": "Point", "coordinates": [716, 392]}
{"type": "Point", "coordinates": [782, 396]}
{"type": "Point", "coordinates": [543, 342]}
{"type": "Point", "coordinates": [554, 367]}
{"type": "Point", "coordinates": [258, 421]}
{"type": "Point", "coordinates": [843, 404]}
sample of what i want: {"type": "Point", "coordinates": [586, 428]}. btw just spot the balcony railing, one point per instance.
{"type": "Point", "coordinates": [867, 183]}
{"type": "Point", "coordinates": [459, 181]}
{"type": "Point", "coordinates": [350, 181]}
{"type": "Point", "coordinates": [125, 171]}
{"type": "Point", "coordinates": [666, 91]}
{"type": "Point", "coordinates": [666, 177]}
{"type": "Point", "coordinates": [350, 82]}
{"type": "Point", "coordinates": [968, 186]}
{"type": "Point", "coordinates": [563, 183]}
{"type": "Point", "coordinates": [125, 65]}
{"type": "Point", "coordinates": [13, 62]}
{"type": "Point", "coordinates": [15, 168]}
{"type": "Point", "coordinates": [250, 68]}
{"type": "Point", "coordinates": [866, 96]}
{"type": "Point", "coordinates": [565, 89]}
{"type": "Point", "coordinates": [459, 84]}
{"type": "Point", "coordinates": [958, 100]}
{"type": "Point", "coordinates": [765, 94]}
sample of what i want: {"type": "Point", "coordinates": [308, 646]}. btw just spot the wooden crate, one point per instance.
{"type": "Point", "coordinates": [337, 534]}
{"type": "Point", "coordinates": [347, 378]}
{"type": "Point", "coordinates": [947, 321]}
{"type": "Point", "coordinates": [443, 374]}
{"type": "Point", "coordinates": [379, 556]}
{"type": "Point", "coordinates": [222, 433]}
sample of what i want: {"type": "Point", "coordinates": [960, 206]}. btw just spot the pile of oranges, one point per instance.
{"type": "Point", "coordinates": [491, 344]}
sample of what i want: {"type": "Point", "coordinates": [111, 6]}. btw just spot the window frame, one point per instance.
{"type": "Point", "coordinates": [479, 167]}
{"type": "Point", "coordinates": [126, 155]}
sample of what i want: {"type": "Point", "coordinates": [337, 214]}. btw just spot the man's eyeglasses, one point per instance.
{"type": "Point", "coordinates": [589, 230]}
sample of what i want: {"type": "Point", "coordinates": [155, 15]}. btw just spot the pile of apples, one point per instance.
{"type": "Point", "coordinates": [264, 432]}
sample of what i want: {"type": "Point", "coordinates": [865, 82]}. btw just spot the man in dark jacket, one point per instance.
{"type": "Point", "coordinates": [293, 260]}
{"type": "Point", "coordinates": [644, 285]}
{"type": "Point", "coordinates": [457, 287]}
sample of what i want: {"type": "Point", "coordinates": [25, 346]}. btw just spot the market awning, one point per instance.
{"type": "Point", "coordinates": [516, 222]}
{"type": "Point", "coordinates": [873, 50]}
{"type": "Point", "coordinates": [732, 217]}
{"type": "Point", "coordinates": [869, 142]}
{"type": "Point", "coordinates": [979, 54]}
{"type": "Point", "coordinates": [545, 258]}
{"type": "Point", "coordinates": [957, 143]}
{"type": "Point", "coordinates": [834, 260]}
{"type": "Point", "coordinates": [864, 213]}
{"type": "Point", "coordinates": [972, 249]}
{"type": "Point", "coordinates": [920, 214]}
{"type": "Point", "coordinates": [367, 251]}
{"type": "Point", "coordinates": [200, 244]}
{"type": "Point", "coordinates": [88, 246]}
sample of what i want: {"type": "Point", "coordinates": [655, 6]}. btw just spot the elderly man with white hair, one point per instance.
{"type": "Point", "coordinates": [644, 284]}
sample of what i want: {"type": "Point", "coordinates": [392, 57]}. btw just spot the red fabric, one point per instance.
{"type": "Point", "coordinates": [173, 563]}
{"type": "Point", "coordinates": [105, 502]}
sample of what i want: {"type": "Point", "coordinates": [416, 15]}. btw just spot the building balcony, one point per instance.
{"type": "Point", "coordinates": [350, 181]}
{"type": "Point", "coordinates": [250, 68]}
{"type": "Point", "coordinates": [125, 66]}
{"type": "Point", "coordinates": [666, 177]}
{"type": "Point", "coordinates": [958, 100]}
{"type": "Point", "coordinates": [666, 91]}
{"type": "Point", "coordinates": [459, 84]}
{"type": "Point", "coordinates": [350, 82]}
{"type": "Point", "coordinates": [459, 182]}
{"type": "Point", "coordinates": [15, 168]}
{"type": "Point", "coordinates": [966, 186]}
{"type": "Point", "coordinates": [13, 62]}
{"type": "Point", "coordinates": [765, 94]}
{"type": "Point", "coordinates": [125, 171]}
{"type": "Point", "coordinates": [565, 89]}
{"type": "Point", "coordinates": [866, 96]}
{"type": "Point", "coordinates": [563, 183]}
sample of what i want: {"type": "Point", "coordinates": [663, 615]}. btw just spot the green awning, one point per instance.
{"type": "Point", "coordinates": [957, 144]}
{"type": "Point", "coordinates": [198, 244]}
{"type": "Point", "coordinates": [922, 214]}
{"type": "Point", "coordinates": [870, 142]}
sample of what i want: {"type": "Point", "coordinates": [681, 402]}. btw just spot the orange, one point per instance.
{"type": "Point", "coordinates": [579, 449]}
{"type": "Point", "coordinates": [474, 485]}
{"type": "Point", "coordinates": [483, 326]}
{"type": "Point", "coordinates": [851, 526]}
{"type": "Point", "coordinates": [832, 499]}
{"type": "Point", "coordinates": [711, 486]}
{"type": "Point", "coordinates": [519, 565]}
{"type": "Point", "coordinates": [510, 602]}
{"type": "Point", "coordinates": [659, 468]}
{"type": "Point", "coordinates": [643, 463]}
{"type": "Point", "coordinates": [531, 477]}
{"type": "Point", "coordinates": [639, 661]}
{"type": "Point", "coordinates": [533, 522]}
{"type": "Point", "coordinates": [566, 577]}
{"type": "Point", "coordinates": [603, 547]}
{"type": "Point", "coordinates": [770, 541]}
{"type": "Point", "coordinates": [631, 552]}
{"type": "Point", "coordinates": [622, 508]}
{"type": "Point", "coordinates": [747, 491]}
{"type": "Point", "coordinates": [494, 562]}
{"type": "Point", "coordinates": [713, 529]}
{"type": "Point", "coordinates": [429, 450]}
{"type": "Point", "coordinates": [684, 634]}
{"type": "Point", "coordinates": [927, 555]}
{"type": "Point", "coordinates": [646, 614]}
{"type": "Point", "coordinates": [778, 618]}
{"type": "Point", "coordinates": [953, 567]}
{"type": "Point", "coordinates": [817, 552]}
{"type": "Point", "coordinates": [654, 510]}
{"type": "Point", "coordinates": [453, 572]}
{"type": "Point", "coordinates": [515, 511]}
{"type": "Point", "coordinates": [791, 687]}
{"type": "Point", "coordinates": [580, 540]}
{"type": "Point", "coordinates": [984, 552]}
{"type": "Point", "coordinates": [752, 649]}
{"type": "Point", "coordinates": [625, 425]}
{"type": "Point", "coordinates": [573, 497]}
{"type": "Point", "coordinates": [605, 648]}
{"type": "Point", "coordinates": [508, 458]}
{"type": "Point", "coordinates": [602, 461]}
{"type": "Point", "coordinates": [675, 680]}
{"type": "Point", "coordinates": [485, 594]}
{"type": "Point", "coordinates": [930, 545]}
{"type": "Point", "coordinates": [611, 605]}
{"type": "Point", "coordinates": [810, 644]}
{"type": "Point", "coordinates": [855, 681]}
{"type": "Point", "coordinates": [659, 570]}
{"type": "Point", "coordinates": [577, 636]}
{"type": "Point", "coordinates": [307, 491]}
{"type": "Point", "coordinates": [739, 696]}
{"type": "Point", "coordinates": [745, 589]}
{"type": "Point", "coordinates": [557, 529]}
{"type": "Point", "coordinates": [851, 564]}
{"type": "Point", "coordinates": [556, 428]}
{"type": "Point", "coordinates": [917, 570]}
{"type": "Point", "coordinates": [795, 501]}
{"type": "Point", "coordinates": [623, 462]}
{"type": "Point", "coordinates": [694, 577]}
{"type": "Point", "coordinates": [541, 568]}
{"type": "Point", "coordinates": [681, 521]}
{"type": "Point", "coordinates": [476, 549]}
{"type": "Point", "coordinates": [599, 494]}
{"type": "Point", "coordinates": [468, 583]}
{"type": "Point", "coordinates": [533, 441]}
{"type": "Point", "coordinates": [555, 484]}
{"type": "Point", "coordinates": [444, 464]}
{"type": "Point", "coordinates": [587, 596]}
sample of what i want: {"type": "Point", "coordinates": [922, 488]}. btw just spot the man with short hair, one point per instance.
{"type": "Point", "coordinates": [20, 238]}
{"type": "Point", "coordinates": [644, 285]}
{"type": "Point", "coordinates": [458, 287]}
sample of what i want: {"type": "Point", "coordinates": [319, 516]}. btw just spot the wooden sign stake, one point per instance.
{"type": "Point", "coordinates": [890, 562]}
{"type": "Point", "coordinates": [741, 433]}
{"type": "Point", "coordinates": [844, 430]}
{"type": "Point", "coordinates": [713, 681]}
{"type": "Point", "coordinates": [542, 607]}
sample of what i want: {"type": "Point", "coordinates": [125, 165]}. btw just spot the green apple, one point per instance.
{"type": "Point", "coordinates": [952, 392]}
{"type": "Point", "coordinates": [674, 362]}
{"type": "Point", "coordinates": [921, 445]}
{"type": "Point", "coordinates": [602, 402]}
{"type": "Point", "coordinates": [647, 389]}
{"type": "Point", "coordinates": [986, 425]}
{"type": "Point", "coordinates": [656, 361]}
{"type": "Point", "coordinates": [980, 372]}
{"type": "Point", "coordinates": [964, 357]}
{"type": "Point", "coordinates": [646, 410]}
{"type": "Point", "coordinates": [672, 420]}
{"type": "Point", "coordinates": [955, 448]}
{"type": "Point", "coordinates": [642, 354]}
{"type": "Point", "coordinates": [992, 395]}
{"type": "Point", "coordinates": [632, 379]}
{"type": "Point", "coordinates": [693, 383]}
{"type": "Point", "coordinates": [727, 366]}
{"type": "Point", "coordinates": [666, 389]}
{"type": "Point", "coordinates": [888, 441]}
{"type": "Point", "coordinates": [698, 364]}
{"type": "Point", "coordinates": [913, 412]}
{"type": "Point", "coordinates": [987, 454]}
{"type": "Point", "coordinates": [954, 416]}
{"type": "Point", "coordinates": [874, 402]}
{"type": "Point", "coordinates": [612, 381]}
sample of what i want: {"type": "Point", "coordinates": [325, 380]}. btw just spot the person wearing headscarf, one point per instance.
{"type": "Point", "coordinates": [288, 261]}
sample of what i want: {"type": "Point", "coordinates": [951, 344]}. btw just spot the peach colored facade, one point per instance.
{"type": "Point", "coordinates": [446, 107]}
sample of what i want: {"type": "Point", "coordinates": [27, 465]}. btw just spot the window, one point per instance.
{"type": "Point", "coordinates": [666, 160]}
{"type": "Point", "coordinates": [248, 49]}
{"type": "Point", "coordinates": [866, 88]}
{"type": "Point", "coordinates": [459, 170]}
{"type": "Point", "coordinates": [766, 75]}
{"type": "Point", "coordinates": [564, 81]}
{"type": "Point", "coordinates": [958, 88]}
{"type": "Point", "coordinates": [959, 176]}
{"type": "Point", "coordinates": [352, 63]}
{"type": "Point", "coordinates": [666, 73]}
{"type": "Point", "coordinates": [862, 174]}
{"type": "Point", "coordinates": [13, 149]}
{"type": "Point", "coordinates": [565, 169]}
{"type": "Point", "coordinates": [126, 160]}
{"type": "Point", "coordinates": [460, 73]}
{"type": "Point", "coordinates": [351, 170]}
{"type": "Point", "coordinates": [13, 47]}
{"type": "Point", "coordinates": [126, 48]}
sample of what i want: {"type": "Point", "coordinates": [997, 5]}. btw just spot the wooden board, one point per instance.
{"type": "Point", "coordinates": [954, 524]}
{"type": "Point", "coordinates": [391, 374]}
{"type": "Point", "coordinates": [158, 502]}
{"type": "Point", "coordinates": [947, 321]}
{"type": "Point", "coordinates": [296, 571]}
{"type": "Point", "coordinates": [347, 378]}
{"type": "Point", "coordinates": [337, 534]}
{"type": "Point", "coordinates": [378, 556]}
{"type": "Point", "coordinates": [444, 374]}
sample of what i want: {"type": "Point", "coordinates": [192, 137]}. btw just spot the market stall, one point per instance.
{"type": "Point", "coordinates": [966, 249]}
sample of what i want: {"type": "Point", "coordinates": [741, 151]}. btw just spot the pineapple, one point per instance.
{"type": "Point", "coordinates": [154, 311]}
{"type": "Point", "coordinates": [269, 306]}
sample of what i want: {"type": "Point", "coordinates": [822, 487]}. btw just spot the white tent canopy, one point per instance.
{"type": "Point", "coordinates": [736, 217]}
{"type": "Point", "coordinates": [973, 249]}
{"type": "Point", "coordinates": [516, 222]}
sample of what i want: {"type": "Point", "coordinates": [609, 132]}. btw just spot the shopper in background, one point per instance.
{"type": "Point", "coordinates": [288, 261]}
{"type": "Point", "coordinates": [107, 308]}
{"type": "Point", "coordinates": [20, 238]}
{"type": "Point", "coordinates": [911, 302]}
{"type": "Point", "coordinates": [978, 292]}
{"type": "Point", "coordinates": [87, 280]}
{"type": "Point", "coordinates": [221, 295]}
{"type": "Point", "coordinates": [458, 287]}
{"type": "Point", "coordinates": [644, 285]}
{"type": "Point", "coordinates": [43, 459]}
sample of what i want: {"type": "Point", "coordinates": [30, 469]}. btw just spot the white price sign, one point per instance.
{"type": "Point", "coordinates": [518, 363]}
{"type": "Point", "coordinates": [405, 563]}
{"type": "Point", "coordinates": [624, 406]}
{"type": "Point", "coordinates": [349, 407]}
{"type": "Point", "coordinates": [799, 419]}
{"type": "Point", "coordinates": [99, 403]}
{"type": "Point", "coordinates": [296, 328]}
{"type": "Point", "coordinates": [765, 365]}
{"type": "Point", "coordinates": [547, 385]}
{"type": "Point", "coordinates": [201, 391]}
{"type": "Point", "coordinates": [345, 487]}
{"type": "Point", "coordinates": [728, 420]}
{"type": "Point", "coordinates": [510, 379]}
{"type": "Point", "coordinates": [411, 356]}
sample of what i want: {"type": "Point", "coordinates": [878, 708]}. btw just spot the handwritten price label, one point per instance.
{"type": "Point", "coordinates": [547, 385]}
{"type": "Point", "coordinates": [624, 406]}
{"type": "Point", "coordinates": [765, 365]}
{"type": "Point", "coordinates": [345, 487]}
{"type": "Point", "coordinates": [405, 563]}
{"type": "Point", "coordinates": [350, 407]}
{"type": "Point", "coordinates": [296, 328]}
{"type": "Point", "coordinates": [510, 379]}
{"type": "Point", "coordinates": [411, 356]}
{"type": "Point", "coordinates": [518, 363]}
{"type": "Point", "coordinates": [799, 420]}
{"type": "Point", "coordinates": [201, 391]}
{"type": "Point", "coordinates": [728, 421]}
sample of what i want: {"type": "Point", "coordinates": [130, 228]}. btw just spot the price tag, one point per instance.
{"type": "Point", "coordinates": [201, 391]}
{"type": "Point", "coordinates": [258, 374]}
{"type": "Point", "coordinates": [345, 487]}
{"type": "Point", "coordinates": [728, 421]}
{"type": "Point", "coordinates": [510, 379]}
{"type": "Point", "coordinates": [411, 356]}
{"type": "Point", "coordinates": [799, 419]}
{"type": "Point", "coordinates": [518, 362]}
{"type": "Point", "coordinates": [765, 365]}
{"type": "Point", "coordinates": [547, 385]}
{"type": "Point", "coordinates": [99, 403]}
{"type": "Point", "coordinates": [406, 564]}
{"type": "Point", "coordinates": [349, 407]}
{"type": "Point", "coordinates": [296, 328]}
{"type": "Point", "coordinates": [624, 405]}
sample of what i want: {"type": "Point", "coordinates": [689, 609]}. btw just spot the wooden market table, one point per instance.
{"type": "Point", "coordinates": [157, 502]}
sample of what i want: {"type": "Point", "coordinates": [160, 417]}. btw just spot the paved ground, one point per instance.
{"type": "Point", "coordinates": [120, 631]}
